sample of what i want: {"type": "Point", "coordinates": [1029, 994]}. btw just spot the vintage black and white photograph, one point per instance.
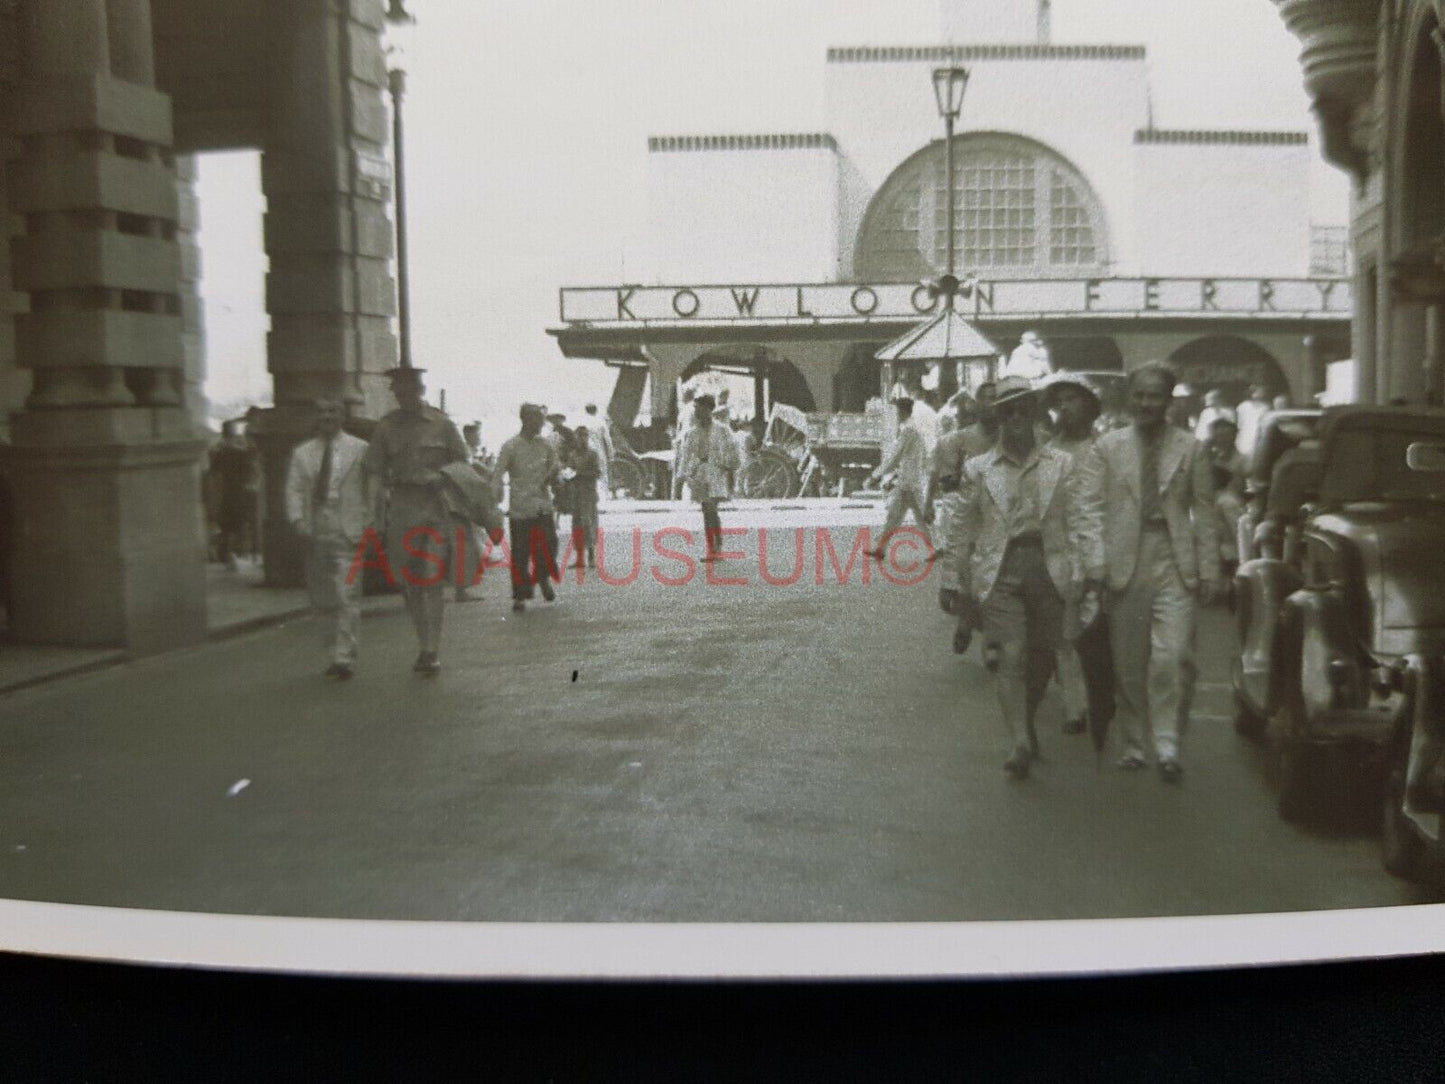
{"type": "Point", "coordinates": [657, 462]}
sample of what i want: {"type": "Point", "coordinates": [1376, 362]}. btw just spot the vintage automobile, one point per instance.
{"type": "Point", "coordinates": [1342, 620]}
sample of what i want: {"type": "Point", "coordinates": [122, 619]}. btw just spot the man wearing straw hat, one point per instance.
{"type": "Point", "coordinates": [1022, 532]}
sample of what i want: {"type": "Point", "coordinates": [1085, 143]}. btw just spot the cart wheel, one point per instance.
{"type": "Point", "coordinates": [770, 475]}
{"type": "Point", "coordinates": [626, 478]}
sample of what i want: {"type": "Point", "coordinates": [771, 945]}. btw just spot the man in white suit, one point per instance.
{"type": "Point", "coordinates": [1149, 504]}
{"type": "Point", "coordinates": [328, 502]}
{"type": "Point", "coordinates": [1021, 537]}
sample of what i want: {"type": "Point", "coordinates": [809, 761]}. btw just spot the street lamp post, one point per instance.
{"type": "Point", "coordinates": [949, 85]}
{"type": "Point", "coordinates": [398, 16]}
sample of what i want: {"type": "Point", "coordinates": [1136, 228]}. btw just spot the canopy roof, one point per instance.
{"type": "Point", "coordinates": [945, 337]}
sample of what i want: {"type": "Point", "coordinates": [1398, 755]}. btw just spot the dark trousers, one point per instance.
{"type": "Point", "coordinates": [534, 553]}
{"type": "Point", "coordinates": [711, 524]}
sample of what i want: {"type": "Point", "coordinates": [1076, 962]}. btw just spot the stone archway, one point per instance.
{"type": "Point", "coordinates": [1229, 363]}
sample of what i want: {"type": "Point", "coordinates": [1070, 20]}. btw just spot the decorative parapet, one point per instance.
{"type": "Point", "coordinates": [787, 141]}
{"type": "Point", "coordinates": [1340, 39]}
{"type": "Point", "coordinates": [935, 54]}
{"type": "Point", "coordinates": [1272, 139]}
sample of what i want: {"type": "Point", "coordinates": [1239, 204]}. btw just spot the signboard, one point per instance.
{"type": "Point", "coordinates": [1030, 298]}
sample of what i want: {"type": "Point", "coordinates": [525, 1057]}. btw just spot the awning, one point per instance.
{"type": "Point", "coordinates": [945, 337]}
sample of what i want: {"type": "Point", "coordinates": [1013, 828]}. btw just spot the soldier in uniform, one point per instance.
{"type": "Point", "coordinates": [408, 450]}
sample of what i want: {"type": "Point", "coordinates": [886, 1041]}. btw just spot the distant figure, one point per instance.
{"type": "Point", "coordinates": [1248, 415]}
{"type": "Point", "coordinates": [1214, 407]}
{"type": "Point", "coordinates": [1229, 470]}
{"type": "Point", "coordinates": [477, 456]}
{"type": "Point", "coordinates": [233, 465]}
{"type": "Point", "coordinates": [1078, 407]}
{"type": "Point", "coordinates": [911, 462]}
{"type": "Point", "coordinates": [706, 459]}
{"type": "Point", "coordinates": [599, 432]}
{"type": "Point", "coordinates": [531, 464]}
{"type": "Point", "coordinates": [1030, 358]}
{"type": "Point", "coordinates": [1281, 402]}
{"type": "Point", "coordinates": [329, 504]}
{"type": "Point", "coordinates": [586, 465]}
{"type": "Point", "coordinates": [925, 419]}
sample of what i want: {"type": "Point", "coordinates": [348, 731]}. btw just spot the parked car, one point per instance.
{"type": "Point", "coordinates": [1342, 614]}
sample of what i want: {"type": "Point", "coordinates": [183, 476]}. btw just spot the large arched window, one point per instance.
{"type": "Point", "coordinates": [1021, 211]}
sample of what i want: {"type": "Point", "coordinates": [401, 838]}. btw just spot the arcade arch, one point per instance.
{"type": "Point", "coordinates": [1229, 363]}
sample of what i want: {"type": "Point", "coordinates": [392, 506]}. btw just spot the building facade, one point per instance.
{"type": "Point", "coordinates": [101, 352]}
{"type": "Point", "coordinates": [1373, 70]}
{"type": "Point", "coordinates": [1122, 240]}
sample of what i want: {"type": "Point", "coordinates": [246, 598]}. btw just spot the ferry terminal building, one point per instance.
{"type": "Point", "coordinates": [795, 256]}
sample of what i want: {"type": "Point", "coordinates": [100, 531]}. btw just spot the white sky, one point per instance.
{"type": "Point", "coordinates": [526, 128]}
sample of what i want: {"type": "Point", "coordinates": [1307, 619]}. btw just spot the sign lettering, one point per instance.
{"type": "Point", "coordinates": [1100, 298]}
{"type": "Point", "coordinates": [864, 301]}
{"type": "Point", "coordinates": [686, 311]}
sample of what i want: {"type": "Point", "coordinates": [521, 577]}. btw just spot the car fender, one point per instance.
{"type": "Point", "coordinates": [1263, 586]}
{"type": "Point", "coordinates": [1322, 664]}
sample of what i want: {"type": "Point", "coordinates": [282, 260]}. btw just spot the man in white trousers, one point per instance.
{"type": "Point", "coordinates": [328, 503]}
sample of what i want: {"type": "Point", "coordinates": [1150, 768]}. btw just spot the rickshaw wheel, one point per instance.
{"type": "Point", "coordinates": [770, 475]}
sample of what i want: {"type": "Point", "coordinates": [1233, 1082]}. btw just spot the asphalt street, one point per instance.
{"type": "Point", "coordinates": [646, 751]}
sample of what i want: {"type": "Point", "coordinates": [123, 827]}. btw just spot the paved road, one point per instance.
{"type": "Point", "coordinates": [645, 752]}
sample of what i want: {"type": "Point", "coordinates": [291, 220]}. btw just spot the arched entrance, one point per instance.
{"type": "Point", "coordinates": [775, 378]}
{"type": "Point", "coordinates": [1230, 364]}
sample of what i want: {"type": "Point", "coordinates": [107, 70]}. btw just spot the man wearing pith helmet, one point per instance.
{"type": "Point", "coordinates": [408, 450]}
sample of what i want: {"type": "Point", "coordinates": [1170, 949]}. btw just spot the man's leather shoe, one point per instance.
{"type": "Point", "coordinates": [426, 663]}
{"type": "Point", "coordinates": [1075, 726]}
{"type": "Point", "coordinates": [547, 592]}
{"type": "Point", "coordinates": [1017, 765]}
{"type": "Point", "coordinates": [339, 670]}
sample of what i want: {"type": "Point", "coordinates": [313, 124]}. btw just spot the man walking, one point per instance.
{"type": "Point", "coordinates": [910, 460]}
{"type": "Point", "coordinates": [599, 432]}
{"type": "Point", "coordinates": [1030, 358]}
{"type": "Point", "coordinates": [1023, 527]}
{"type": "Point", "coordinates": [530, 464]}
{"type": "Point", "coordinates": [1149, 504]}
{"type": "Point", "coordinates": [329, 503]}
{"type": "Point", "coordinates": [706, 459]}
{"type": "Point", "coordinates": [408, 450]}
{"type": "Point", "coordinates": [1077, 406]}
{"type": "Point", "coordinates": [954, 449]}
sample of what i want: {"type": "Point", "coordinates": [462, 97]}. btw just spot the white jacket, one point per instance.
{"type": "Point", "coordinates": [347, 510]}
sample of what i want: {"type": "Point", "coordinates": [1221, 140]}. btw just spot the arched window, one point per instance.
{"type": "Point", "coordinates": [1020, 210]}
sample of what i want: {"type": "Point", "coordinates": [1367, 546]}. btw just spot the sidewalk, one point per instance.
{"type": "Point", "coordinates": [236, 603]}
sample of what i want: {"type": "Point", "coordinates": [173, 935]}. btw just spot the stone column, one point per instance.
{"type": "Point", "coordinates": [192, 312]}
{"type": "Point", "coordinates": [330, 290]}
{"type": "Point", "coordinates": [104, 464]}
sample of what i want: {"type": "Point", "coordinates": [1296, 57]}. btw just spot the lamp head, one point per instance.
{"type": "Point", "coordinates": [948, 87]}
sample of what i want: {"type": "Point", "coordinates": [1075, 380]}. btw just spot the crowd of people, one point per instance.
{"type": "Point", "coordinates": [1051, 521]}
{"type": "Point", "coordinates": [1054, 521]}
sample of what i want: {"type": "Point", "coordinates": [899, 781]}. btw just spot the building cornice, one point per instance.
{"type": "Point", "coordinates": [781, 141]}
{"type": "Point", "coordinates": [1197, 137]}
{"type": "Point", "coordinates": [872, 54]}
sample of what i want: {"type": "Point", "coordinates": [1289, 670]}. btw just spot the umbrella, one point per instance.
{"type": "Point", "coordinates": [1096, 659]}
